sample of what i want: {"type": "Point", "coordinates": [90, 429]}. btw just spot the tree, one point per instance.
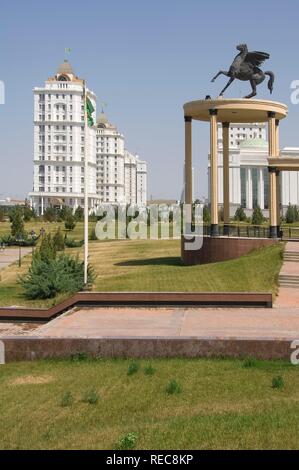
{"type": "Point", "coordinates": [2, 214]}
{"type": "Point", "coordinates": [292, 214]}
{"type": "Point", "coordinates": [257, 216]}
{"type": "Point", "coordinates": [50, 214]}
{"type": "Point", "coordinates": [17, 222]}
{"type": "Point", "coordinates": [206, 214]}
{"type": "Point", "coordinates": [79, 214]}
{"type": "Point", "coordinates": [58, 240]}
{"type": "Point", "coordinates": [28, 213]}
{"type": "Point", "coordinates": [47, 250]}
{"type": "Point", "coordinates": [70, 222]}
{"type": "Point", "coordinates": [221, 214]}
{"type": "Point", "coordinates": [65, 212]}
{"type": "Point", "coordinates": [240, 215]}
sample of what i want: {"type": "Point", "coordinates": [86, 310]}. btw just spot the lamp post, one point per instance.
{"type": "Point", "coordinates": [19, 240]}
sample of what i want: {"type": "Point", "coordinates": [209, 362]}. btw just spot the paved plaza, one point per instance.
{"type": "Point", "coordinates": [174, 322]}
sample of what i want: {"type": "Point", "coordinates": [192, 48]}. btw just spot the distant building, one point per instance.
{"type": "Point", "coordinates": [121, 176]}
{"type": "Point", "coordinates": [59, 146]}
{"type": "Point", "coordinates": [249, 178]}
{"type": "Point", "coordinates": [59, 142]}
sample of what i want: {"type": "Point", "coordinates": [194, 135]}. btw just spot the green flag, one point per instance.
{"type": "Point", "coordinates": [89, 110]}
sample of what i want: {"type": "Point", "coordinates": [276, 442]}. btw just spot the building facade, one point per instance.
{"type": "Point", "coordinates": [121, 176]}
{"type": "Point", "coordinates": [59, 149]}
{"type": "Point", "coordinates": [248, 174]}
{"type": "Point", "coordinates": [59, 143]}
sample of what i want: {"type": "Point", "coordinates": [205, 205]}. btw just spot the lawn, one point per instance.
{"type": "Point", "coordinates": [155, 265]}
{"type": "Point", "coordinates": [222, 405]}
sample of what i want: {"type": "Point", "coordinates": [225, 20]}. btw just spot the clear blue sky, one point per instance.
{"type": "Point", "coordinates": [145, 59]}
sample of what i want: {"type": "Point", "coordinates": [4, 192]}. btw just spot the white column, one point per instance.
{"type": "Point", "coordinates": [188, 160]}
{"type": "Point", "coordinates": [248, 189]}
{"type": "Point", "coordinates": [42, 206]}
{"type": "Point", "coordinates": [261, 189]}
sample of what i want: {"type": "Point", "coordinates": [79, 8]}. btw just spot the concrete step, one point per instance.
{"type": "Point", "coordinates": [291, 258]}
{"type": "Point", "coordinates": [289, 285]}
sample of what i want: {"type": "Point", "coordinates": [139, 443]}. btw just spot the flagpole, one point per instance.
{"type": "Point", "coordinates": [85, 189]}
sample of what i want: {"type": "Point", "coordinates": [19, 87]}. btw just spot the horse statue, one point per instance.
{"type": "Point", "coordinates": [246, 67]}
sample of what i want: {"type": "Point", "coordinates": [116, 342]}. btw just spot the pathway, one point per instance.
{"type": "Point", "coordinates": [288, 294]}
{"type": "Point", "coordinates": [10, 255]}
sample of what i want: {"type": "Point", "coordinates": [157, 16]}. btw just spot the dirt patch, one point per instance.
{"type": "Point", "coordinates": [32, 380]}
{"type": "Point", "coordinates": [17, 328]}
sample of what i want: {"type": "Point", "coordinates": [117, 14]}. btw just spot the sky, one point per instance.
{"type": "Point", "coordinates": [145, 59]}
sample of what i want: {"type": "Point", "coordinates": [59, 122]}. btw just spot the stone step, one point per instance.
{"type": "Point", "coordinates": [288, 284]}
{"type": "Point", "coordinates": [291, 253]}
{"type": "Point", "coordinates": [288, 277]}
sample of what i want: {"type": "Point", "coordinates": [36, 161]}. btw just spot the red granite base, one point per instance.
{"type": "Point", "coordinates": [215, 249]}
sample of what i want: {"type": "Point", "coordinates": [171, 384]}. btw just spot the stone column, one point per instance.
{"type": "Point", "coordinates": [225, 139]}
{"type": "Point", "coordinates": [188, 160]}
{"type": "Point", "coordinates": [214, 173]}
{"type": "Point", "coordinates": [277, 176]}
{"type": "Point", "coordinates": [272, 176]}
{"type": "Point", "coordinates": [261, 189]}
{"type": "Point", "coordinates": [249, 188]}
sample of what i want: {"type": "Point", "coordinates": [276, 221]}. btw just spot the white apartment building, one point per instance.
{"type": "Point", "coordinates": [121, 176]}
{"type": "Point", "coordinates": [115, 176]}
{"type": "Point", "coordinates": [59, 143]}
{"type": "Point", "coordinates": [248, 174]}
{"type": "Point", "coordinates": [110, 157]}
{"type": "Point", "coordinates": [141, 181]}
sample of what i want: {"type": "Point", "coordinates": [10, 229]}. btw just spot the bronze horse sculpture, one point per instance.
{"type": "Point", "coordinates": [246, 67]}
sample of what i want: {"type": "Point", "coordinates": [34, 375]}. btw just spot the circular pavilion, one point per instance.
{"type": "Point", "coordinates": [226, 111]}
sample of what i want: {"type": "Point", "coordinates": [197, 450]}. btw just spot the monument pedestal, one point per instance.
{"type": "Point", "coordinates": [216, 249]}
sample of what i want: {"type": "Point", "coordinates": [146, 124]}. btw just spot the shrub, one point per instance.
{"type": "Point", "coordinates": [133, 368]}
{"type": "Point", "coordinates": [249, 362]}
{"type": "Point", "coordinates": [72, 243]}
{"type": "Point", "coordinates": [48, 277]}
{"type": "Point", "coordinates": [70, 222]}
{"type": "Point", "coordinates": [127, 442]}
{"type": "Point", "coordinates": [173, 387]}
{"type": "Point", "coordinates": [8, 240]}
{"type": "Point", "coordinates": [66, 399]}
{"type": "Point", "coordinates": [149, 370]}
{"type": "Point", "coordinates": [240, 215]}
{"type": "Point", "coordinates": [257, 216]}
{"type": "Point", "coordinates": [58, 240]}
{"type": "Point", "coordinates": [78, 357]}
{"type": "Point", "coordinates": [91, 397]}
{"type": "Point", "coordinates": [277, 382]}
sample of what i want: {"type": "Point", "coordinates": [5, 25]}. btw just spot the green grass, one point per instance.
{"type": "Point", "coordinates": [155, 265]}
{"type": "Point", "coordinates": [222, 405]}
